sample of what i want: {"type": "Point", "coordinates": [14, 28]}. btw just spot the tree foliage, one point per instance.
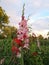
{"type": "Point", "coordinates": [40, 37]}
{"type": "Point", "coordinates": [6, 31]}
{"type": "Point", "coordinates": [4, 19]}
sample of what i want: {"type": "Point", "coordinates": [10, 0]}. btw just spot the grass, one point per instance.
{"type": "Point", "coordinates": [41, 59]}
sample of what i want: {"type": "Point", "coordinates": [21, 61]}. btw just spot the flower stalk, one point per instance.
{"type": "Point", "coordinates": [22, 60]}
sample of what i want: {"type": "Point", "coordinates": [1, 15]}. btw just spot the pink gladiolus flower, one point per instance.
{"type": "Point", "coordinates": [22, 34]}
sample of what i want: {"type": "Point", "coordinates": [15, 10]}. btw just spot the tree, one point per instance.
{"type": "Point", "coordinates": [9, 31]}
{"type": "Point", "coordinates": [40, 37]}
{"type": "Point", "coordinates": [6, 31]}
{"type": "Point", "coordinates": [48, 35]}
{"type": "Point", "coordinates": [4, 19]}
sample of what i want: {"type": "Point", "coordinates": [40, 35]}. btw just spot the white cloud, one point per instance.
{"type": "Point", "coordinates": [41, 32]}
{"type": "Point", "coordinates": [41, 24]}
{"type": "Point", "coordinates": [11, 1]}
{"type": "Point", "coordinates": [37, 3]}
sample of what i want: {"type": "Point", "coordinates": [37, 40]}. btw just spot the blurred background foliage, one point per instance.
{"type": "Point", "coordinates": [6, 30]}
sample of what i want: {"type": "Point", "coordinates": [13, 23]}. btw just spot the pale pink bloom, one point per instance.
{"type": "Point", "coordinates": [23, 23]}
{"type": "Point", "coordinates": [18, 55]}
{"type": "Point", "coordinates": [21, 31]}
{"type": "Point", "coordinates": [20, 48]}
{"type": "Point", "coordinates": [26, 46]}
{"type": "Point", "coordinates": [20, 37]}
{"type": "Point", "coordinates": [25, 30]}
{"type": "Point", "coordinates": [26, 41]}
{"type": "Point", "coordinates": [18, 32]}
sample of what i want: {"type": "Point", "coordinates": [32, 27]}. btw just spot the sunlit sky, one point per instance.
{"type": "Point", "coordinates": [37, 9]}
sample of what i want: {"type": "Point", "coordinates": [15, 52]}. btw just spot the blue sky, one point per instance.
{"type": "Point", "coordinates": [37, 9]}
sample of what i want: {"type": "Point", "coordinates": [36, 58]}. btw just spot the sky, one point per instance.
{"type": "Point", "coordinates": [37, 10]}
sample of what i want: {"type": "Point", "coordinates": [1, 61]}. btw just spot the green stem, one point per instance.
{"type": "Point", "coordinates": [22, 60]}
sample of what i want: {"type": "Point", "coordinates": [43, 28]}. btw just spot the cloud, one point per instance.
{"type": "Point", "coordinates": [41, 32]}
{"type": "Point", "coordinates": [14, 19]}
{"type": "Point", "coordinates": [41, 24]}
{"type": "Point", "coordinates": [12, 1]}
{"type": "Point", "coordinates": [40, 3]}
